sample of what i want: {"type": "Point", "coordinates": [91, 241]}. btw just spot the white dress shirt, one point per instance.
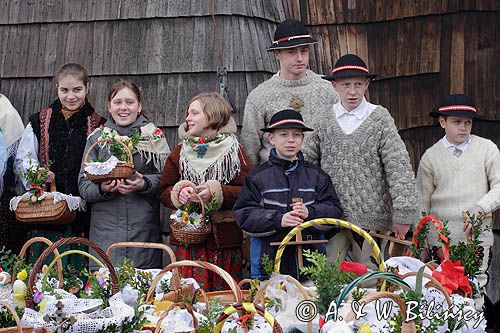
{"type": "Point", "coordinates": [350, 121]}
{"type": "Point", "coordinates": [456, 150]}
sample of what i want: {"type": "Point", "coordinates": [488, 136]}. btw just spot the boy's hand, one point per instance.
{"type": "Point", "coordinates": [185, 195]}
{"type": "Point", "coordinates": [300, 210]}
{"type": "Point", "coordinates": [290, 220]}
{"type": "Point", "coordinates": [475, 210]}
{"type": "Point", "coordinates": [401, 230]}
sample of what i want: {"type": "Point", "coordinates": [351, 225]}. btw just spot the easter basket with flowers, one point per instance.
{"type": "Point", "coordinates": [190, 223]}
{"type": "Point", "coordinates": [38, 206]}
{"type": "Point", "coordinates": [118, 166]}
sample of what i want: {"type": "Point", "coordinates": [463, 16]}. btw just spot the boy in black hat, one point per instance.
{"type": "Point", "coordinates": [360, 148]}
{"type": "Point", "coordinates": [293, 87]}
{"type": "Point", "coordinates": [460, 172]}
{"type": "Point", "coordinates": [283, 193]}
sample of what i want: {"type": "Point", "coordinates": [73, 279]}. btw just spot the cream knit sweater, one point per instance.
{"type": "Point", "coordinates": [370, 169]}
{"type": "Point", "coordinates": [277, 94]}
{"type": "Point", "coordinates": [447, 185]}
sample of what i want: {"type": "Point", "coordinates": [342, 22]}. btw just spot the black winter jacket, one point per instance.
{"type": "Point", "coordinates": [266, 196]}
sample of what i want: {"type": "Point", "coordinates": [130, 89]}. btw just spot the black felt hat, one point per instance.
{"type": "Point", "coordinates": [456, 105]}
{"type": "Point", "coordinates": [349, 65]}
{"type": "Point", "coordinates": [287, 119]}
{"type": "Point", "coordinates": [291, 33]}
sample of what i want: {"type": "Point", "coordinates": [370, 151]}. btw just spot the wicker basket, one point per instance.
{"type": "Point", "coordinates": [123, 170]}
{"type": "Point", "coordinates": [175, 281]}
{"type": "Point", "coordinates": [182, 305]}
{"type": "Point", "coordinates": [33, 240]}
{"type": "Point", "coordinates": [45, 211]}
{"type": "Point", "coordinates": [201, 264]}
{"type": "Point", "coordinates": [259, 297]}
{"type": "Point", "coordinates": [18, 328]}
{"type": "Point", "coordinates": [187, 233]}
{"type": "Point", "coordinates": [249, 308]}
{"type": "Point", "coordinates": [66, 241]}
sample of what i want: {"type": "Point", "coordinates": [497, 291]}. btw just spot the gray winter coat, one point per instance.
{"type": "Point", "coordinates": [124, 218]}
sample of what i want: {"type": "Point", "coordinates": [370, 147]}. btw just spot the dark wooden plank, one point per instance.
{"type": "Point", "coordinates": [457, 65]}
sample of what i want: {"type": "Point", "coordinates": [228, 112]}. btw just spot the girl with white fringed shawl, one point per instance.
{"type": "Point", "coordinates": [210, 161]}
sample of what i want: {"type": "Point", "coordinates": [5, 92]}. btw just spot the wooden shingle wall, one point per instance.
{"type": "Point", "coordinates": [172, 49]}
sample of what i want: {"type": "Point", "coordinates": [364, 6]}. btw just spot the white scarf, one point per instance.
{"type": "Point", "coordinates": [221, 162]}
{"type": "Point", "coordinates": [11, 125]}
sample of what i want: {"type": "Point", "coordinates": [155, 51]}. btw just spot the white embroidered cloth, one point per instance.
{"type": "Point", "coordinates": [101, 168]}
{"type": "Point", "coordinates": [74, 203]}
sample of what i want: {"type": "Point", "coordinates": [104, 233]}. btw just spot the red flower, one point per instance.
{"type": "Point", "coordinates": [353, 267]}
{"type": "Point", "coordinates": [452, 277]}
{"type": "Point", "coordinates": [158, 132]}
{"type": "Point", "coordinates": [202, 140]}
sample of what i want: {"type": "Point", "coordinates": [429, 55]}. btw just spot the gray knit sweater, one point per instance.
{"type": "Point", "coordinates": [370, 169]}
{"type": "Point", "coordinates": [275, 95]}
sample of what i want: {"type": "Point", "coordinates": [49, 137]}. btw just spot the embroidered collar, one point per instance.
{"type": "Point", "coordinates": [200, 144]}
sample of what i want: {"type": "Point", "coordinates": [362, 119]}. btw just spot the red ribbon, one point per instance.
{"type": "Point", "coordinates": [452, 277]}
{"type": "Point", "coordinates": [439, 227]}
{"type": "Point", "coordinates": [353, 267]}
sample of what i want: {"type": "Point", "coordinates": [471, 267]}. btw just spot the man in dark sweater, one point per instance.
{"type": "Point", "coordinates": [282, 193]}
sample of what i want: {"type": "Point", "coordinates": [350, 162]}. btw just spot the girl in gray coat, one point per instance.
{"type": "Point", "coordinates": [126, 209]}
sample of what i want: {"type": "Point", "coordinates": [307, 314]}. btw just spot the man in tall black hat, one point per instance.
{"type": "Point", "coordinates": [293, 87]}
{"type": "Point", "coordinates": [360, 148]}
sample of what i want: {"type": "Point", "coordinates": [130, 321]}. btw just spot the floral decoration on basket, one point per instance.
{"type": "Point", "coordinates": [460, 262]}
{"type": "Point", "coordinates": [190, 224]}
{"type": "Point", "coordinates": [118, 166]}
{"type": "Point", "coordinates": [40, 206]}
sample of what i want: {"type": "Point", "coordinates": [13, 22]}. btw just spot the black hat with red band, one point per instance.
{"type": "Point", "coordinates": [349, 65]}
{"type": "Point", "coordinates": [287, 119]}
{"type": "Point", "coordinates": [291, 33]}
{"type": "Point", "coordinates": [456, 105]}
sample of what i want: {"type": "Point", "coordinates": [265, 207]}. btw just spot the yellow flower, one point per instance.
{"type": "Point", "coordinates": [22, 275]}
{"type": "Point", "coordinates": [364, 328]}
{"type": "Point", "coordinates": [185, 217]}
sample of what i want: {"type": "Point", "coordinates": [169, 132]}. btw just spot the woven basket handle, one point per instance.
{"type": "Point", "coordinates": [202, 264]}
{"type": "Point", "coordinates": [66, 241]}
{"type": "Point", "coordinates": [64, 254]}
{"type": "Point", "coordinates": [53, 187]}
{"type": "Point", "coordinates": [14, 314]}
{"type": "Point", "coordinates": [426, 220]}
{"type": "Point", "coordinates": [127, 150]}
{"type": "Point", "coordinates": [33, 240]}
{"type": "Point", "coordinates": [375, 249]}
{"type": "Point", "coordinates": [249, 308]}
{"type": "Point", "coordinates": [433, 283]}
{"type": "Point", "coordinates": [182, 305]}
{"type": "Point", "coordinates": [408, 327]}
{"type": "Point", "coordinates": [175, 282]}
{"type": "Point", "coordinates": [202, 204]}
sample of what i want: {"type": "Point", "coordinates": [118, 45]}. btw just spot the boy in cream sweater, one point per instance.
{"type": "Point", "coordinates": [460, 172]}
